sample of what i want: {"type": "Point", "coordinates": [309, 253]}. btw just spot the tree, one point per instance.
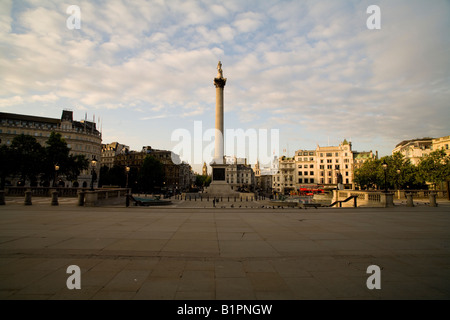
{"type": "Point", "coordinates": [435, 167]}
{"type": "Point", "coordinates": [27, 155]}
{"type": "Point", "coordinates": [400, 173]}
{"type": "Point", "coordinates": [56, 153]}
{"type": "Point", "coordinates": [6, 164]}
{"type": "Point", "coordinates": [151, 175]}
{"type": "Point", "coordinates": [115, 176]}
{"type": "Point", "coordinates": [202, 180]}
{"type": "Point", "coordinates": [75, 164]}
{"type": "Point", "coordinates": [369, 174]}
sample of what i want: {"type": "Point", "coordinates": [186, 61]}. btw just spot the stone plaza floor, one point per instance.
{"type": "Point", "coordinates": [194, 251]}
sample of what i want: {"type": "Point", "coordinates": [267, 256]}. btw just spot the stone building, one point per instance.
{"type": "Point", "coordinates": [239, 175]}
{"type": "Point", "coordinates": [324, 166]}
{"type": "Point", "coordinates": [110, 152]}
{"type": "Point", "coordinates": [177, 176]}
{"type": "Point", "coordinates": [82, 137]}
{"type": "Point", "coordinates": [441, 143]}
{"type": "Point", "coordinates": [414, 149]}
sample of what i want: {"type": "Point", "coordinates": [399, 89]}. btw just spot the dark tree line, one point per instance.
{"type": "Point", "coordinates": [32, 162]}
{"type": "Point", "coordinates": [149, 178]}
{"type": "Point", "coordinates": [433, 168]}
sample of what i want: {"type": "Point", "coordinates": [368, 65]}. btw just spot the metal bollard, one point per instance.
{"type": "Point", "coordinates": [54, 198]}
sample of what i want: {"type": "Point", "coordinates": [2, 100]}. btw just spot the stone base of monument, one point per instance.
{"type": "Point", "coordinates": [220, 189]}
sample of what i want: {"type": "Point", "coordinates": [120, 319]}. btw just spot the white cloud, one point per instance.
{"type": "Point", "coordinates": [307, 65]}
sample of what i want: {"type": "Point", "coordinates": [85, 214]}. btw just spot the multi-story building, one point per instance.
{"type": "Point", "coordinates": [110, 151]}
{"type": "Point", "coordinates": [239, 175]}
{"type": "Point", "coordinates": [82, 137]}
{"type": "Point", "coordinates": [176, 176]}
{"type": "Point", "coordinates": [335, 165]}
{"type": "Point", "coordinates": [441, 143]}
{"type": "Point", "coordinates": [284, 180]}
{"type": "Point", "coordinates": [263, 179]}
{"type": "Point", "coordinates": [414, 149]}
{"type": "Point", "coordinates": [324, 166]}
{"type": "Point", "coordinates": [305, 171]}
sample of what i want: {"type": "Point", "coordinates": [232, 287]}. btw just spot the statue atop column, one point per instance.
{"type": "Point", "coordinates": [219, 70]}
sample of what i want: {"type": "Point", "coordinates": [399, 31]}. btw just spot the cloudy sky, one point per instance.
{"type": "Point", "coordinates": [311, 69]}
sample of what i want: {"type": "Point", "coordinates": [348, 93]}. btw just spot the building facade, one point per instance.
{"type": "Point", "coordinates": [239, 175]}
{"type": "Point", "coordinates": [414, 149]}
{"type": "Point", "coordinates": [177, 176]}
{"type": "Point", "coordinates": [110, 152]}
{"type": "Point", "coordinates": [82, 137]}
{"type": "Point", "coordinates": [325, 166]}
{"type": "Point", "coordinates": [441, 143]}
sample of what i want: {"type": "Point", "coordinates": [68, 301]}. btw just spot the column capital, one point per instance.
{"type": "Point", "coordinates": [220, 82]}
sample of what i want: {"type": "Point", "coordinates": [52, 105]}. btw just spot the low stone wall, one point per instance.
{"type": "Point", "coordinates": [420, 194]}
{"type": "Point", "coordinates": [365, 198]}
{"type": "Point", "coordinates": [42, 191]}
{"type": "Point", "coordinates": [103, 197]}
{"type": "Point", "coordinates": [237, 197]}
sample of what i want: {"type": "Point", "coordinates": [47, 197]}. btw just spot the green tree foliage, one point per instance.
{"type": "Point", "coordinates": [368, 175]}
{"type": "Point", "coordinates": [400, 174]}
{"type": "Point", "coordinates": [26, 154]}
{"type": "Point", "coordinates": [151, 175]}
{"type": "Point", "coordinates": [75, 164]}
{"type": "Point", "coordinates": [202, 180]}
{"type": "Point", "coordinates": [28, 159]}
{"type": "Point", "coordinates": [6, 164]}
{"type": "Point", "coordinates": [116, 176]}
{"type": "Point", "coordinates": [435, 167]}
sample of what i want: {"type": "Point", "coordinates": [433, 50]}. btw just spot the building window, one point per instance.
{"type": "Point", "coordinates": [346, 181]}
{"type": "Point", "coordinates": [336, 167]}
{"type": "Point", "coordinates": [311, 159]}
{"type": "Point", "coordinates": [299, 173]}
{"type": "Point", "coordinates": [337, 154]}
{"type": "Point", "coordinates": [305, 173]}
{"type": "Point", "coordinates": [311, 166]}
{"type": "Point", "coordinates": [311, 173]}
{"type": "Point", "coordinates": [311, 153]}
{"type": "Point", "coordinates": [346, 166]}
{"type": "Point", "coordinates": [306, 180]}
{"type": "Point", "coordinates": [321, 154]}
{"type": "Point", "coordinates": [346, 173]}
{"type": "Point", "coordinates": [321, 160]}
{"type": "Point", "coordinates": [329, 154]}
{"type": "Point", "coordinates": [329, 166]}
{"type": "Point", "coordinates": [322, 166]}
{"type": "Point", "coordinates": [321, 174]}
{"type": "Point", "coordinates": [300, 180]}
{"type": "Point", "coordinates": [300, 166]}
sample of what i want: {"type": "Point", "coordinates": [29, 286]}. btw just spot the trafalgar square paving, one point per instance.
{"type": "Point", "coordinates": [193, 251]}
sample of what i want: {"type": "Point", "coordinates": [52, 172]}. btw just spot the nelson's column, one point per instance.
{"type": "Point", "coordinates": [219, 185]}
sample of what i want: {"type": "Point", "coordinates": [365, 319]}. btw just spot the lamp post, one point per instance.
{"type": "Point", "coordinates": [56, 174]}
{"type": "Point", "coordinates": [127, 169]}
{"type": "Point", "coordinates": [385, 175]}
{"type": "Point", "coordinates": [94, 174]}
{"type": "Point", "coordinates": [398, 178]}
